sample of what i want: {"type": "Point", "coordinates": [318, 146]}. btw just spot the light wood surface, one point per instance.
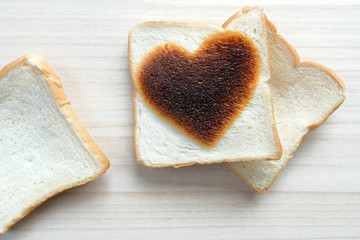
{"type": "Point", "coordinates": [85, 42]}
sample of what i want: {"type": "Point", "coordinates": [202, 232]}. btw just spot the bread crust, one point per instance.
{"type": "Point", "coordinates": [297, 64]}
{"type": "Point", "coordinates": [278, 154]}
{"type": "Point", "coordinates": [55, 84]}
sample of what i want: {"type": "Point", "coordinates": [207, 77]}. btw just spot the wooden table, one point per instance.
{"type": "Point", "coordinates": [316, 197]}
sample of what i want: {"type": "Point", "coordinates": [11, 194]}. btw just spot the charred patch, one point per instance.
{"type": "Point", "coordinates": [203, 92]}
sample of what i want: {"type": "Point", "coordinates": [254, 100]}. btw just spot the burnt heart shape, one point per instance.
{"type": "Point", "coordinates": [201, 93]}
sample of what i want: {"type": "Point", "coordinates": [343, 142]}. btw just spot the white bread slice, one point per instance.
{"type": "Point", "coordinates": [45, 149]}
{"type": "Point", "coordinates": [304, 95]}
{"type": "Point", "coordinates": [253, 134]}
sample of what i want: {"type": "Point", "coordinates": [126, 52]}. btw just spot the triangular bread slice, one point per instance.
{"type": "Point", "coordinates": [304, 95]}
{"type": "Point", "coordinates": [44, 148]}
{"type": "Point", "coordinates": [253, 134]}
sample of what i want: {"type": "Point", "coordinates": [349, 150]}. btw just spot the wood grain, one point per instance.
{"type": "Point", "coordinates": [316, 197]}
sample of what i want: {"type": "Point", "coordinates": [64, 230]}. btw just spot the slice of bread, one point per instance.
{"type": "Point", "coordinates": [45, 149]}
{"type": "Point", "coordinates": [304, 95]}
{"type": "Point", "coordinates": [252, 135]}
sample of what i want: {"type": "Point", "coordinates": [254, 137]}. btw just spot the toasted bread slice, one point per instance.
{"type": "Point", "coordinates": [304, 95]}
{"type": "Point", "coordinates": [45, 149]}
{"type": "Point", "coordinates": [159, 143]}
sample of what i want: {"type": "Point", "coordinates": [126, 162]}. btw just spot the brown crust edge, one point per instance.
{"type": "Point", "coordinates": [297, 64]}
{"type": "Point", "coordinates": [55, 85]}
{"type": "Point", "coordinates": [277, 156]}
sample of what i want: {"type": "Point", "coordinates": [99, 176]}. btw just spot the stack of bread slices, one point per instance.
{"type": "Point", "coordinates": [236, 93]}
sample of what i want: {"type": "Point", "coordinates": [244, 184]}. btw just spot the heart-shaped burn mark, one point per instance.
{"type": "Point", "coordinates": [203, 92]}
